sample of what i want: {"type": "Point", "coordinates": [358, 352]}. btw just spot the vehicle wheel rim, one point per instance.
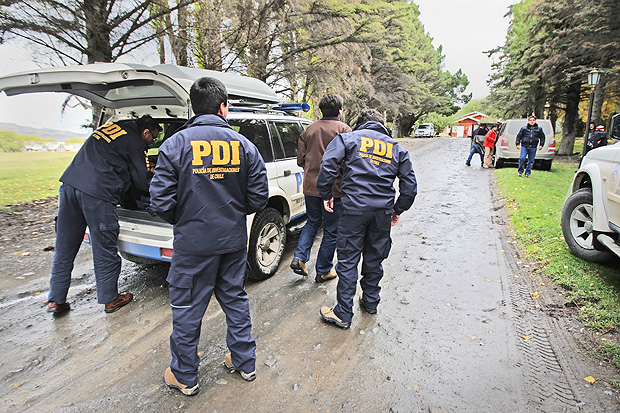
{"type": "Point", "coordinates": [269, 242]}
{"type": "Point", "coordinates": [581, 226]}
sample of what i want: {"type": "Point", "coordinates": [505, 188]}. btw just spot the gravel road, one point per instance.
{"type": "Point", "coordinates": [465, 324]}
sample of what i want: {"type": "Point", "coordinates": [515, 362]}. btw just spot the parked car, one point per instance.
{"type": "Point", "coordinates": [591, 213]}
{"type": "Point", "coordinates": [425, 130]}
{"type": "Point", "coordinates": [506, 150]}
{"type": "Point", "coordinates": [127, 91]}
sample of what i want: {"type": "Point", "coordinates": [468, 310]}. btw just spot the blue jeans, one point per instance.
{"type": "Point", "coordinates": [317, 216]}
{"type": "Point", "coordinates": [530, 154]}
{"type": "Point", "coordinates": [76, 210]}
{"type": "Point", "coordinates": [474, 149]}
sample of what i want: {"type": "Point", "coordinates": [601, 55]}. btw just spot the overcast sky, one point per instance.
{"type": "Point", "coordinates": [464, 28]}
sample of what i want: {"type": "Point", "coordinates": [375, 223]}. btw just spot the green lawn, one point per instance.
{"type": "Point", "coordinates": [535, 206]}
{"type": "Point", "coordinates": [28, 176]}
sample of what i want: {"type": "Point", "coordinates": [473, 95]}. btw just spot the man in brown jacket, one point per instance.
{"type": "Point", "coordinates": [310, 149]}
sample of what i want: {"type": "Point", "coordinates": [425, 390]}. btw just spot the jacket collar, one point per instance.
{"type": "Point", "coordinates": [206, 120]}
{"type": "Point", "coordinates": [330, 118]}
{"type": "Point", "coordinates": [375, 126]}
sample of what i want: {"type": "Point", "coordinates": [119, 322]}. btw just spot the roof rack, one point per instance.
{"type": "Point", "coordinates": [293, 107]}
{"type": "Point", "coordinates": [286, 108]}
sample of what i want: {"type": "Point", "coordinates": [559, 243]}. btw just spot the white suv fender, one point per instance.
{"type": "Point", "coordinates": [592, 173]}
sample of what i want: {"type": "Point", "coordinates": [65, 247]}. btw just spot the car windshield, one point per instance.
{"type": "Point", "coordinates": [423, 127]}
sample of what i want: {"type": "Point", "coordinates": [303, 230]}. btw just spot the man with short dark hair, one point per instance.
{"type": "Point", "coordinates": [370, 161]}
{"type": "Point", "coordinates": [530, 137]}
{"type": "Point", "coordinates": [310, 148]}
{"type": "Point", "coordinates": [109, 162]}
{"type": "Point", "coordinates": [208, 178]}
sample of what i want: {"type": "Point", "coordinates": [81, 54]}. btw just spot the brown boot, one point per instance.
{"type": "Point", "coordinates": [55, 308]}
{"type": "Point", "coordinates": [122, 300]}
{"type": "Point", "coordinates": [173, 383]}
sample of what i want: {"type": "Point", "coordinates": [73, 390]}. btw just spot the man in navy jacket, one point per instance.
{"type": "Point", "coordinates": [530, 137]}
{"type": "Point", "coordinates": [110, 161]}
{"type": "Point", "coordinates": [208, 178]}
{"type": "Point", "coordinates": [370, 161]}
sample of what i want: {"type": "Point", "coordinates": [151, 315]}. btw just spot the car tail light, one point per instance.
{"type": "Point", "coordinates": [86, 237]}
{"type": "Point", "coordinates": [503, 142]}
{"type": "Point", "coordinates": [167, 252]}
{"type": "Point", "coordinates": [551, 147]}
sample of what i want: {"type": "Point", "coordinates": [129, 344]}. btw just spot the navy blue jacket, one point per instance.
{"type": "Point", "coordinates": [371, 160]}
{"type": "Point", "coordinates": [207, 179]}
{"type": "Point", "coordinates": [531, 136]}
{"type": "Point", "coordinates": [109, 161]}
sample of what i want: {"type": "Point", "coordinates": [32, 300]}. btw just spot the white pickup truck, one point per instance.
{"type": "Point", "coordinates": [127, 91]}
{"type": "Point", "coordinates": [591, 213]}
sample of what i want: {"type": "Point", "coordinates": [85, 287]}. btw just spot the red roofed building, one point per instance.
{"type": "Point", "coordinates": [466, 124]}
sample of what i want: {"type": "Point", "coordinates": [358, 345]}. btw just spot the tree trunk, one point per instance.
{"type": "Point", "coordinates": [98, 41]}
{"type": "Point", "coordinates": [179, 40]}
{"type": "Point", "coordinates": [401, 127]}
{"type": "Point", "coordinates": [208, 16]}
{"type": "Point", "coordinates": [570, 119]}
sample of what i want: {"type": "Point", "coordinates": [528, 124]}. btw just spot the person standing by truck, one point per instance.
{"type": "Point", "coordinates": [477, 139]}
{"type": "Point", "coordinates": [208, 178]}
{"type": "Point", "coordinates": [489, 145]}
{"type": "Point", "coordinates": [529, 138]}
{"type": "Point", "coordinates": [310, 148]}
{"type": "Point", "coordinates": [109, 162]}
{"type": "Point", "coordinates": [598, 138]}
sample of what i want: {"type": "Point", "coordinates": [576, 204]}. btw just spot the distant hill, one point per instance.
{"type": "Point", "coordinates": [58, 135]}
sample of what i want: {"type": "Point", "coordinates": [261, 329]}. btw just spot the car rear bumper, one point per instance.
{"type": "Point", "coordinates": [506, 154]}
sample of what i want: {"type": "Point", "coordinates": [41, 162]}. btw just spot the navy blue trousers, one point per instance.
{"type": "Point", "coordinates": [317, 217]}
{"type": "Point", "coordinates": [76, 210]}
{"type": "Point", "coordinates": [366, 233]}
{"type": "Point", "coordinates": [193, 279]}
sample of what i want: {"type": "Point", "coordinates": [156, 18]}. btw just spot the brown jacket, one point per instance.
{"type": "Point", "coordinates": [311, 147]}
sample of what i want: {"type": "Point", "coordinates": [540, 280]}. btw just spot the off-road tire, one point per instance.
{"type": "Point", "coordinates": [498, 163]}
{"type": "Point", "coordinates": [546, 165]}
{"type": "Point", "coordinates": [267, 242]}
{"type": "Point", "coordinates": [577, 227]}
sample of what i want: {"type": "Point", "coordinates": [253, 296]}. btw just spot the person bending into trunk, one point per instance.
{"type": "Point", "coordinates": [109, 162]}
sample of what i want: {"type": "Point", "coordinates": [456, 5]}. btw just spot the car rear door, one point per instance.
{"type": "Point", "coordinates": [112, 85]}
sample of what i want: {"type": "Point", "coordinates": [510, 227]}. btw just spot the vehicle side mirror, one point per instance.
{"type": "Point", "coordinates": [614, 129]}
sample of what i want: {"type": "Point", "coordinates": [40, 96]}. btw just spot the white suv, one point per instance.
{"type": "Point", "coordinates": [425, 130]}
{"type": "Point", "coordinates": [128, 91]}
{"type": "Point", "coordinates": [591, 213]}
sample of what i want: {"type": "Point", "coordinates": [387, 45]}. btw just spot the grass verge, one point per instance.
{"type": "Point", "coordinates": [28, 176]}
{"type": "Point", "coordinates": [535, 208]}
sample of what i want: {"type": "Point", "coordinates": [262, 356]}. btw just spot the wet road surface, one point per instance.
{"type": "Point", "coordinates": [458, 328]}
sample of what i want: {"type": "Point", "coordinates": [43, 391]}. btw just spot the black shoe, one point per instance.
{"type": "Point", "coordinates": [368, 310]}
{"type": "Point", "coordinates": [467, 164]}
{"type": "Point", "coordinates": [299, 267]}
